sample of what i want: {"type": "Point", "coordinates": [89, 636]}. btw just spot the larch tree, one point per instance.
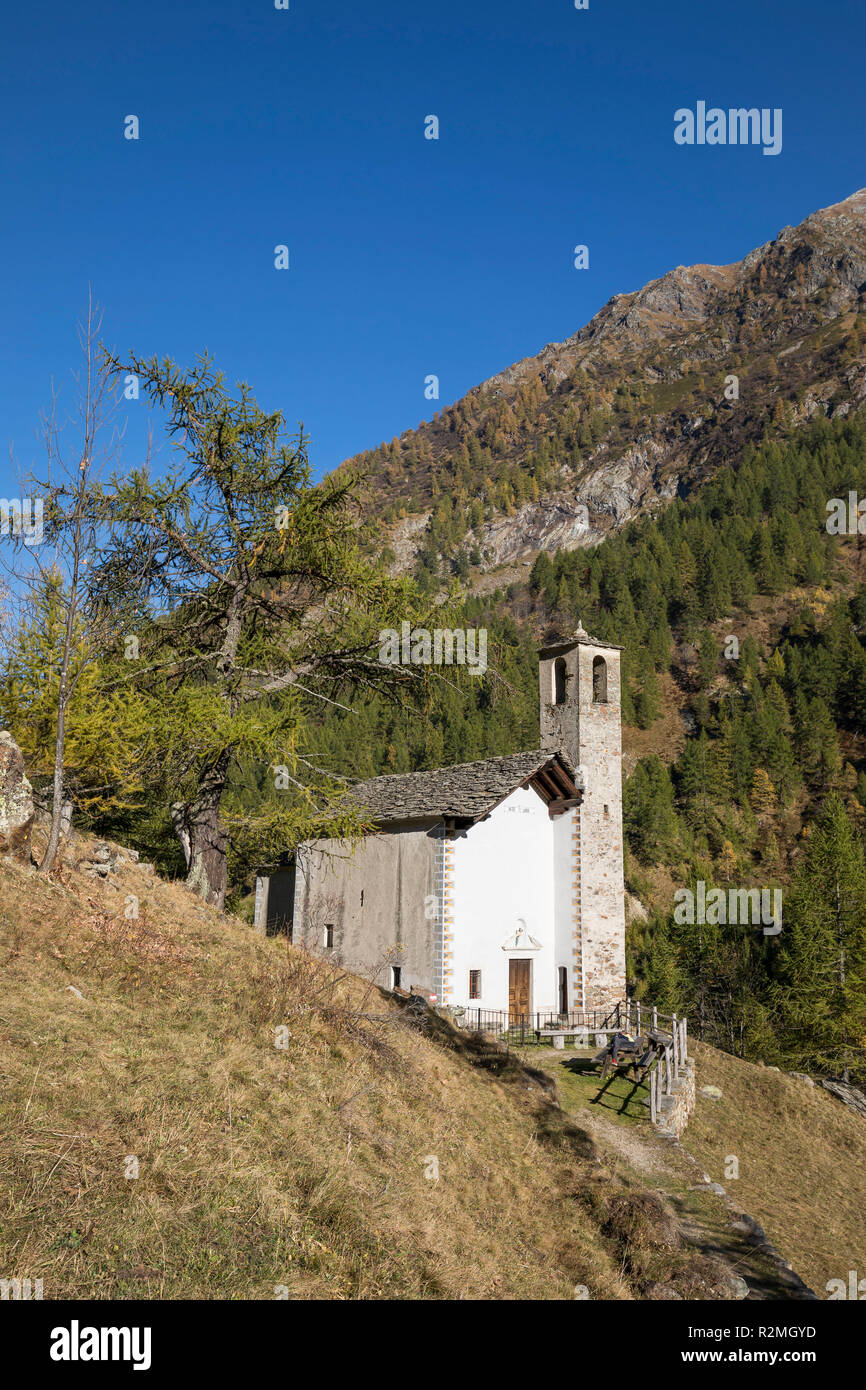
{"type": "Point", "coordinates": [104, 723]}
{"type": "Point", "coordinates": [262, 603]}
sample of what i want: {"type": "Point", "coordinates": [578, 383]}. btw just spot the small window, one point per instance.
{"type": "Point", "coordinates": [599, 681]}
{"type": "Point", "coordinates": [329, 936]}
{"type": "Point", "coordinates": [474, 984]}
{"type": "Point", "coordinates": [559, 673]}
{"type": "Point", "coordinates": [396, 976]}
{"type": "Point", "coordinates": [607, 813]}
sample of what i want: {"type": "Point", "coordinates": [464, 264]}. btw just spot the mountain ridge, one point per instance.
{"type": "Point", "coordinates": [662, 386]}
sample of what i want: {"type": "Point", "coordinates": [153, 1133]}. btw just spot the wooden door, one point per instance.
{"type": "Point", "coordinates": [519, 1002]}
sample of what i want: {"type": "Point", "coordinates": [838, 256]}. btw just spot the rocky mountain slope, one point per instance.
{"type": "Point", "coordinates": [660, 389]}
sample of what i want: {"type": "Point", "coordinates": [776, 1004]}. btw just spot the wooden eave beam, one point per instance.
{"type": "Point", "coordinates": [562, 804]}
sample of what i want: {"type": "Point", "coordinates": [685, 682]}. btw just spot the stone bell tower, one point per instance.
{"type": "Point", "coordinates": [580, 716]}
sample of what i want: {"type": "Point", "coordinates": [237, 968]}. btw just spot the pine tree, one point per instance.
{"type": "Point", "coordinates": [664, 983]}
{"type": "Point", "coordinates": [821, 989]}
{"type": "Point", "coordinates": [649, 818]}
{"type": "Point", "coordinates": [708, 659]}
{"type": "Point", "coordinates": [648, 698]}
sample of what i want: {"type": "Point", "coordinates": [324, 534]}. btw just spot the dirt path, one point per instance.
{"type": "Point", "coordinates": [708, 1218]}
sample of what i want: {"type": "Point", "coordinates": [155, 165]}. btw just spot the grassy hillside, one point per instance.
{"type": "Point", "coordinates": [258, 1166]}
{"type": "Point", "coordinates": [799, 1153]}
{"type": "Point", "coordinates": [801, 1162]}
{"type": "Point", "coordinates": [309, 1166]}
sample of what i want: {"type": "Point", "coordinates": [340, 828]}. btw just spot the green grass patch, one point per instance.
{"type": "Point", "coordinates": [579, 1086]}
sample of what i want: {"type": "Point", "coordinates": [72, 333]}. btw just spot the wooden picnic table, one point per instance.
{"type": "Point", "coordinates": [638, 1053]}
{"type": "Point", "coordinates": [559, 1034]}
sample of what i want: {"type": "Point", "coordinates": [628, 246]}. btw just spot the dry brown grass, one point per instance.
{"type": "Point", "coordinates": [258, 1166]}
{"type": "Point", "coordinates": [305, 1166]}
{"type": "Point", "coordinates": [802, 1162]}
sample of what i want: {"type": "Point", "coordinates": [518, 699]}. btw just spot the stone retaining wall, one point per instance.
{"type": "Point", "coordinates": [677, 1108]}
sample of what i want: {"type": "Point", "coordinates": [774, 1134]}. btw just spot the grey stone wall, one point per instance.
{"type": "Point", "coordinates": [377, 899]}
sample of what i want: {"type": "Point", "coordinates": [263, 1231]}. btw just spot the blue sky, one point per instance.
{"type": "Point", "coordinates": [408, 256]}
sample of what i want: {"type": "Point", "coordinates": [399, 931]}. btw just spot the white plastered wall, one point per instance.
{"type": "Point", "coordinates": [506, 872]}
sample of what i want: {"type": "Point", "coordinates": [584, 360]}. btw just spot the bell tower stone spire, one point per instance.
{"type": "Point", "coordinates": [580, 717]}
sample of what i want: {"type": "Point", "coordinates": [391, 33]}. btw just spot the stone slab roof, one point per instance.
{"type": "Point", "coordinates": [581, 636]}
{"type": "Point", "coordinates": [466, 791]}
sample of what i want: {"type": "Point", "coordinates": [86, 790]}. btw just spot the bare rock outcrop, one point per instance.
{"type": "Point", "coordinates": [101, 859]}
{"type": "Point", "coordinates": [17, 812]}
{"type": "Point", "coordinates": [852, 1096]}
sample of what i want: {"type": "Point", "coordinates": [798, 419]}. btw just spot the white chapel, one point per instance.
{"type": "Point", "coordinates": [493, 885]}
